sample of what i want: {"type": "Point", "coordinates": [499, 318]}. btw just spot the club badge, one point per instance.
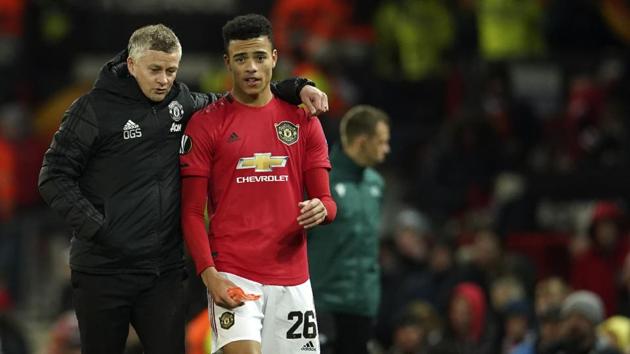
{"type": "Point", "coordinates": [226, 320]}
{"type": "Point", "coordinates": [176, 110]}
{"type": "Point", "coordinates": [287, 132]}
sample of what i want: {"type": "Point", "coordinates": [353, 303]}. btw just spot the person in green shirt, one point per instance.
{"type": "Point", "coordinates": [343, 256]}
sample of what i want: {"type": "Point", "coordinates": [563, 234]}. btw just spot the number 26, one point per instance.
{"type": "Point", "coordinates": [309, 330]}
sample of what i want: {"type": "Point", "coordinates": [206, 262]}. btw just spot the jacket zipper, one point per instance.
{"type": "Point", "coordinates": [157, 184]}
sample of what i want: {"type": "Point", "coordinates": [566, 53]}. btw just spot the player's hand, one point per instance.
{"type": "Point", "coordinates": [218, 287]}
{"type": "Point", "coordinates": [315, 100]}
{"type": "Point", "coordinates": [312, 213]}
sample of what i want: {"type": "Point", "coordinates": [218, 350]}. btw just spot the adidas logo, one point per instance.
{"type": "Point", "coordinates": [233, 137]}
{"type": "Point", "coordinates": [131, 130]}
{"type": "Point", "coordinates": [309, 347]}
{"type": "Point", "coordinates": [130, 125]}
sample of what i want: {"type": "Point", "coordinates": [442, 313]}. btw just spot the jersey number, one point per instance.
{"type": "Point", "coordinates": [309, 329]}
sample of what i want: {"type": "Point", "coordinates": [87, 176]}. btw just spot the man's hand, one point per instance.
{"type": "Point", "coordinates": [315, 100]}
{"type": "Point", "coordinates": [218, 287]}
{"type": "Point", "coordinates": [312, 213]}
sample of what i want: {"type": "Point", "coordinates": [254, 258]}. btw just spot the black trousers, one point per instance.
{"type": "Point", "coordinates": [152, 304]}
{"type": "Point", "coordinates": [344, 333]}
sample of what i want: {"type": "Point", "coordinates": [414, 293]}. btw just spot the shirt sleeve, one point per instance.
{"type": "Point", "coordinates": [195, 151]}
{"type": "Point", "coordinates": [194, 201]}
{"type": "Point", "coordinates": [318, 186]}
{"type": "Point", "coordinates": [316, 146]}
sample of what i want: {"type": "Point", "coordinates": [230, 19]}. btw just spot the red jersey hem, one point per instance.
{"type": "Point", "coordinates": [194, 172]}
{"type": "Point", "coordinates": [262, 279]}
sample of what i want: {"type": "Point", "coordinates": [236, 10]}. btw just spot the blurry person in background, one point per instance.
{"type": "Point", "coordinates": [444, 274]}
{"type": "Point", "coordinates": [549, 294]}
{"type": "Point", "coordinates": [505, 290]}
{"type": "Point", "coordinates": [582, 312]}
{"type": "Point", "coordinates": [9, 233]}
{"type": "Point", "coordinates": [468, 324]}
{"type": "Point", "coordinates": [64, 336]}
{"type": "Point", "coordinates": [624, 290]}
{"type": "Point", "coordinates": [516, 325]}
{"type": "Point", "coordinates": [548, 298]}
{"type": "Point", "coordinates": [417, 328]}
{"type": "Point", "coordinates": [546, 336]}
{"type": "Point", "coordinates": [343, 256]}
{"type": "Point", "coordinates": [412, 237]}
{"type": "Point", "coordinates": [596, 267]}
{"type": "Point", "coordinates": [616, 330]}
{"type": "Point", "coordinates": [13, 339]}
{"type": "Point", "coordinates": [112, 172]}
{"type": "Point", "coordinates": [490, 260]}
{"type": "Point", "coordinates": [404, 257]}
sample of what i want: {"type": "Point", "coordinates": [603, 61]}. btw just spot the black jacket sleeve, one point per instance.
{"type": "Point", "coordinates": [64, 162]}
{"type": "Point", "coordinates": [287, 90]}
{"type": "Point", "coordinates": [200, 100]}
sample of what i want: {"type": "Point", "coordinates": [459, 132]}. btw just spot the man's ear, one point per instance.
{"type": "Point", "coordinates": [274, 57]}
{"type": "Point", "coordinates": [131, 66]}
{"type": "Point", "coordinates": [226, 61]}
{"type": "Point", "coordinates": [359, 141]}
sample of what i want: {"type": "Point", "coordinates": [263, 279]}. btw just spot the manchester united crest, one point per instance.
{"type": "Point", "coordinates": [176, 110]}
{"type": "Point", "coordinates": [226, 320]}
{"type": "Point", "coordinates": [287, 132]}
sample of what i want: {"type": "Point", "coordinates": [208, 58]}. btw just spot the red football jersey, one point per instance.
{"type": "Point", "coordinates": [255, 159]}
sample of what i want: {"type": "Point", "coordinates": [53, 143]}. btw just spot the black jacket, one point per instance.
{"type": "Point", "coordinates": [112, 172]}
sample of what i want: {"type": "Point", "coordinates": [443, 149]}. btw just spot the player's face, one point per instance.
{"type": "Point", "coordinates": [376, 147]}
{"type": "Point", "coordinates": [155, 72]}
{"type": "Point", "coordinates": [251, 62]}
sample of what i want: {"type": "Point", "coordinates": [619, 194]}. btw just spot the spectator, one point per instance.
{"type": "Point", "coordinates": [596, 268]}
{"type": "Point", "coordinates": [417, 328]}
{"type": "Point", "coordinates": [582, 312]}
{"type": "Point", "coordinates": [468, 324]}
{"type": "Point", "coordinates": [616, 330]}
{"type": "Point", "coordinates": [13, 339]}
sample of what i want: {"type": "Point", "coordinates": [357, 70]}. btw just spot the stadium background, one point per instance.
{"type": "Point", "coordinates": [509, 138]}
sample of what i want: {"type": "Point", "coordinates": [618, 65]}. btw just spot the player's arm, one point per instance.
{"type": "Point", "coordinates": [194, 192]}
{"type": "Point", "coordinates": [321, 207]}
{"type": "Point", "coordinates": [295, 91]}
{"type": "Point", "coordinates": [300, 90]}
{"type": "Point", "coordinates": [64, 163]}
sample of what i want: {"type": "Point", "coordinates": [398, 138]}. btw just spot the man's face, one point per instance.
{"type": "Point", "coordinates": [460, 316]}
{"type": "Point", "coordinates": [251, 62]}
{"type": "Point", "coordinates": [578, 331]}
{"type": "Point", "coordinates": [155, 72]}
{"type": "Point", "coordinates": [376, 147]}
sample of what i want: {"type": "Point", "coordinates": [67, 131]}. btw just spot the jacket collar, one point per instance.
{"type": "Point", "coordinates": [344, 166]}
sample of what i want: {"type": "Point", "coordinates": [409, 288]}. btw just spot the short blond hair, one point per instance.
{"type": "Point", "coordinates": [153, 37]}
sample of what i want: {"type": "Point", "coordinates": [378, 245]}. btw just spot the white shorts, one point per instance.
{"type": "Point", "coordinates": [282, 320]}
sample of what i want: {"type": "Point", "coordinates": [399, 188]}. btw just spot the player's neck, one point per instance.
{"type": "Point", "coordinates": [354, 154]}
{"type": "Point", "coordinates": [256, 100]}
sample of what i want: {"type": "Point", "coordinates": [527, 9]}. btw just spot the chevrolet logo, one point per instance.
{"type": "Point", "coordinates": [262, 162]}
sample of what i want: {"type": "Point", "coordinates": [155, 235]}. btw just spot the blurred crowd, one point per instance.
{"type": "Point", "coordinates": [506, 219]}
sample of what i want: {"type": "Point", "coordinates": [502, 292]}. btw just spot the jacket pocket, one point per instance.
{"type": "Point", "coordinates": [130, 220]}
{"type": "Point", "coordinates": [89, 229]}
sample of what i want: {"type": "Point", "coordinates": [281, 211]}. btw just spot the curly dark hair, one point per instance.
{"type": "Point", "coordinates": [246, 27]}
